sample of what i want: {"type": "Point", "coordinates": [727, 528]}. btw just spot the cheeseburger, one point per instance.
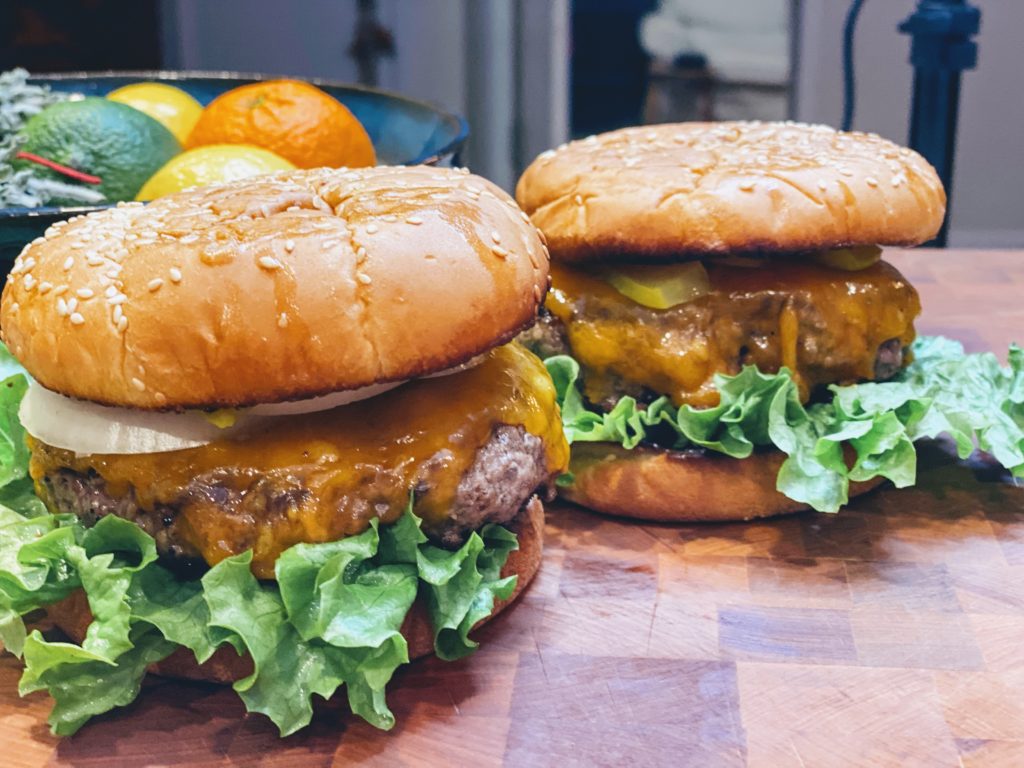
{"type": "Point", "coordinates": [726, 336]}
{"type": "Point", "coordinates": [279, 435]}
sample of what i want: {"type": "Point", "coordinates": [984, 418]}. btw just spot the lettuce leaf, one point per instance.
{"type": "Point", "coordinates": [332, 618]}
{"type": "Point", "coordinates": [972, 398]}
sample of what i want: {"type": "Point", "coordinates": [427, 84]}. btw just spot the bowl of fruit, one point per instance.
{"type": "Point", "coordinates": [74, 143]}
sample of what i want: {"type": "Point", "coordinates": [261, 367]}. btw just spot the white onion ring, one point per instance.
{"type": "Point", "coordinates": [89, 428]}
{"type": "Point", "coordinates": [322, 403]}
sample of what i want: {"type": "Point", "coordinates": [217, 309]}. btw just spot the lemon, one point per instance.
{"type": "Point", "coordinates": [177, 110]}
{"type": "Point", "coordinates": [211, 165]}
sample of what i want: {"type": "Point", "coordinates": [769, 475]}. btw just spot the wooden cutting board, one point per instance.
{"type": "Point", "coordinates": [889, 634]}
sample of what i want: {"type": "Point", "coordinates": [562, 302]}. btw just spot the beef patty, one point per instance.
{"type": "Point", "coordinates": [506, 472]}
{"type": "Point", "coordinates": [472, 446]}
{"type": "Point", "coordinates": [827, 326]}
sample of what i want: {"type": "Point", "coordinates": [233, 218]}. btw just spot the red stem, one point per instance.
{"type": "Point", "coordinates": [69, 172]}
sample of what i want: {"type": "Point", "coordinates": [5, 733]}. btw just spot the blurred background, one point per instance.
{"type": "Point", "coordinates": [529, 74]}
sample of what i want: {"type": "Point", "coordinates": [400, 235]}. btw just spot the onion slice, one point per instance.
{"type": "Point", "coordinates": [322, 403]}
{"type": "Point", "coordinates": [87, 428]}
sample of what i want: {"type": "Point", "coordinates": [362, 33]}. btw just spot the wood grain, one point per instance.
{"type": "Point", "coordinates": [889, 634]}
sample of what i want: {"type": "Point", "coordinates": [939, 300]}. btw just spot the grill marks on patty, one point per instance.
{"type": "Point", "coordinates": [504, 475]}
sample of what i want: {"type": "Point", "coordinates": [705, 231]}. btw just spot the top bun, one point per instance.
{"type": "Point", "coordinates": [665, 191]}
{"type": "Point", "coordinates": [274, 288]}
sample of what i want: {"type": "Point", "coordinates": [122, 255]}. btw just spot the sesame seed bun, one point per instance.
{"type": "Point", "coordinates": [275, 288]}
{"type": "Point", "coordinates": [73, 617]}
{"type": "Point", "coordinates": [666, 191]}
{"type": "Point", "coordinates": [670, 486]}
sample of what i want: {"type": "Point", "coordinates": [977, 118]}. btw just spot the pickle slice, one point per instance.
{"type": "Point", "coordinates": [850, 259]}
{"type": "Point", "coordinates": [660, 286]}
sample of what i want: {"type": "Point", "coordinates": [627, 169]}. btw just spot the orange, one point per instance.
{"type": "Point", "coordinates": [293, 119]}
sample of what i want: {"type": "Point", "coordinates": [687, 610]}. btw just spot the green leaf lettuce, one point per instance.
{"type": "Point", "coordinates": [971, 398]}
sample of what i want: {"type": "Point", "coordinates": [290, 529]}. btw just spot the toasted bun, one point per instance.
{"type": "Point", "coordinates": [275, 288]}
{"type": "Point", "coordinates": [72, 615]}
{"type": "Point", "coordinates": [667, 486]}
{"type": "Point", "coordinates": [666, 191]}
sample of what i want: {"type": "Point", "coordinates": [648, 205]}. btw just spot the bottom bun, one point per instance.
{"type": "Point", "coordinates": [72, 615]}
{"type": "Point", "coordinates": [672, 486]}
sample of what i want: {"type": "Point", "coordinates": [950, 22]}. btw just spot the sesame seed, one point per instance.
{"type": "Point", "coordinates": [118, 314]}
{"type": "Point", "coordinates": [175, 275]}
{"type": "Point", "coordinates": [69, 262]}
{"type": "Point", "coordinates": [823, 185]}
{"type": "Point", "coordinates": [496, 237]}
{"type": "Point", "coordinates": [371, 229]}
{"type": "Point", "coordinates": [45, 287]}
{"type": "Point", "coordinates": [747, 186]}
{"type": "Point", "coordinates": [76, 318]}
{"type": "Point", "coordinates": [72, 304]}
{"type": "Point", "coordinates": [871, 181]}
{"type": "Point", "coordinates": [189, 239]}
{"type": "Point", "coordinates": [137, 383]}
{"type": "Point", "coordinates": [62, 308]}
{"type": "Point", "coordinates": [360, 252]}
{"type": "Point", "coordinates": [326, 245]}
{"type": "Point", "coordinates": [415, 220]}
{"type": "Point", "coordinates": [28, 264]}
{"type": "Point", "coordinates": [500, 252]}
{"type": "Point", "coordinates": [578, 199]}
{"type": "Point", "coordinates": [59, 290]}
{"type": "Point", "coordinates": [122, 324]}
{"type": "Point", "coordinates": [15, 307]}
{"type": "Point", "coordinates": [282, 320]}
{"type": "Point", "coordinates": [363, 278]}
{"type": "Point", "coordinates": [29, 282]}
{"type": "Point", "coordinates": [897, 180]}
{"type": "Point", "coordinates": [270, 263]}
{"type": "Point", "coordinates": [154, 284]}
{"type": "Point", "coordinates": [84, 293]}
{"type": "Point", "coordinates": [289, 246]}
{"type": "Point", "coordinates": [160, 397]}
{"type": "Point", "coordinates": [390, 218]}
{"type": "Point", "coordinates": [93, 261]}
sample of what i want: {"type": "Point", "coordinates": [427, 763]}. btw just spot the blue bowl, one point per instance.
{"type": "Point", "coordinates": [404, 132]}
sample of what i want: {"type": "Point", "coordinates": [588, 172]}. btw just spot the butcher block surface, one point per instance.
{"type": "Point", "coordinates": [891, 633]}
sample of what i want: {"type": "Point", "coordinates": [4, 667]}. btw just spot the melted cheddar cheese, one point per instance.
{"type": "Point", "coordinates": [824, 324]}
{"type": "Point", "coordinates": [323, 476]}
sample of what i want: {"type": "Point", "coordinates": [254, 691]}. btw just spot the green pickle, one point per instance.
{"type": "Point", "coordinates": [850, 259]}
{"type": "Point", "coordinates": [660, 286]}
